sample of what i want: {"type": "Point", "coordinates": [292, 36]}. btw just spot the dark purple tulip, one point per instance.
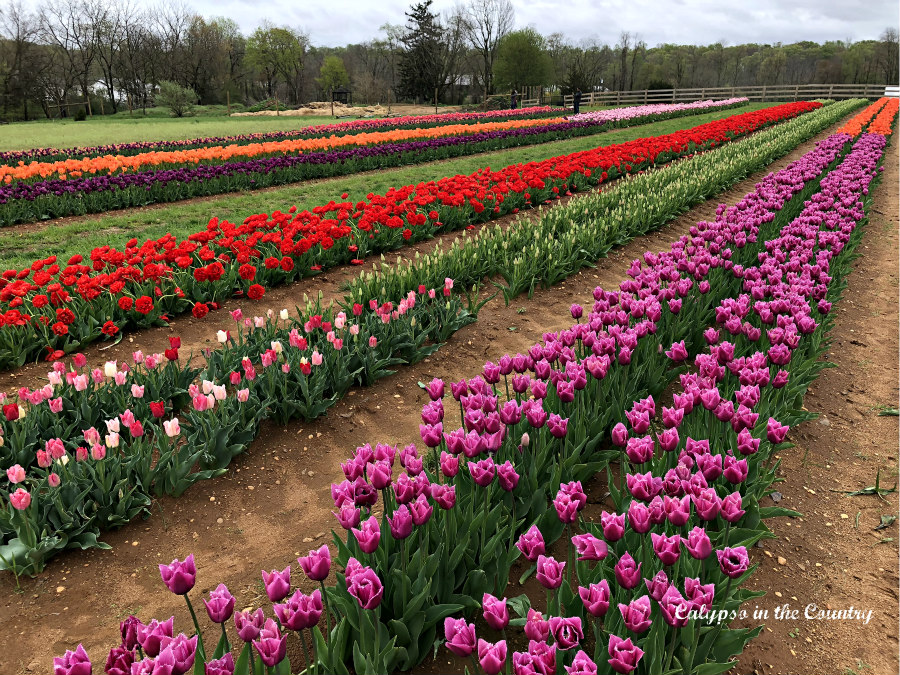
{"type": "Point", "coordinates": [249, 624]}
{"type": "Point", "coordinates": [733, 561]}
{"type": "Point", "coordinates": [179, 577]}
{"type": "Point", "coordinates": [278, 584]}
{"type": "Point", "coordinates": [129, 629]}
{"type": "Point", "coordinates": [119, 661]}
{"type": "Point", "coordinates": [459, 636]}
{"type": "Point", "coordinates": [72, 663]}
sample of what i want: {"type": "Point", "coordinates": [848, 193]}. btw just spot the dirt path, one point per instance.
{"type": "Point", "coordinates": [274, 503]}
{"type": "Point", "coordinates": [832, 557]}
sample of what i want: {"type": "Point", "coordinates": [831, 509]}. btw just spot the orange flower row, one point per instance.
{"type": "Point", "coordinates": [120, 163]}
{"type": "Point", "coordinates": [885, 119]}
{"type": "Point", "coordinates": [858, 122]}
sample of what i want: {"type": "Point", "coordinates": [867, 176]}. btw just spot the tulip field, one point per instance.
{"type": "Point", "coordinates": [589, 503]}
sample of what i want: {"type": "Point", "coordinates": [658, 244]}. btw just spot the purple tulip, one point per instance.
{"type": "Point", "coordinates": [72, 663]}
{"type": "Point", "coordinates": [249, 624]}
{"type": "Point", "coordinates": [459, 636]}
{"type": "Point", "coordinates": [129, 629]}
{"type": "Point", "coordinates": [435, 389]}
{"type": "Point", "coordinates": [710, 466]}
{"type": "Point", "coordinates": [589, 547]}
{"type": "Point", "coordinates": [368, 535]}
{"type": "Point", "coordinates": [639, 517]}
{"type": "Point", "coordinates": [223, 666]}
{"type": "Point", "coordinates": [380, 474]}
{"type": "Point", "coordinates": [628, 574]}
{"type": "Point", "coordinates": [639, 449]}
{"type": "Point", "coordinates": [643, 486]}
{"type": "Point", "coordinates": [119, 661]}
{"type": "Point", "coordinates": [620, 435]}
{"type": "Point", "coordinates": [567, 631]}
{"type": "Point", "coordinates": [444, 495]}
{"type": "Point", "coordinates": [595, 598]}
{"type": "Point", "coordinates": [636, 615]}
{"type": "Point", "coordinates": [735, 469]}
{"type": "Point", "coordinates": [272, 645]}
{"type": "Point", "coordinates": [150, 635]}
{"type": "Point", "coordinates": [524, 664]}
{"type": "Point", "coordinates": [733, 561]}
{"type": "Point", "coordinates": [278, 584]}
{"type": "Point", "coordinates": [483, 472]}
{"type": "Point", "coordinates": [731, 508]}
{"type": "Point", "coordinates": [667, 549]}
{"type": "Point", "coordinates": [495, 612]}
{"type": "Point", "coordinates": [678, 352]}
{"type": "Point", "coordinates": [707, 504]}
{"type": "Point", "coordinates": [317, 564]}
{"type": "Point", "coordinates": [421, 510]}
{"type": "Point", "coordinates": [623, 655]}
{"type": "Point", "coordinates": [536, 626]}
{"type": "Point", "coordinates": [300, 611]}
{"type": "Point", "coordinates": [613, 525]}
{"type": "Point", "coordinates": [543, 656]}
{"type": "Point", "coordinates": [179, 577]}
{"type": "Point", "coordinates": [549, 572]}
{"type": "Point", "coordinates": [431, 434]}
{"type": "Point", "coordinates": [558, 426]}
{"type": "Point", "coordinates": [220, 605]}
{"type": "Point", "coordinates": [698, 544]}
{"type": "Point", "coordinates": [491, 656]}
{"type": "Point", "coordinates": [183, 649]}
{"type": "Point", "coordinates": [577, 311]}
{"type": "Point", "coordinates": [366, 587]}
{"type": "Point", "coordinates": [674, 608]}
{"type": "Point", "coordinates": [348, 517]}
{"type": "Point", "coordinates": [678, 511]}
{"type": "Point", "coordinates": [776, 432]}
{"type": "Point", "coordinates": [566, 507]}
{"type": "Point", "coordinates": [401, 522]}
{"type": "Point", "coordinates": [700, 595]}
{"type": "Point", "coordinates": [449, 464]}
{"type": "Point", "coordinates": [582, 664]}
{"type": "Point", "coordinates": [658, 585]}
{"type": "Point", "coordinates": [507, 476]}
{"type": "Point", "coordinates": [746, 444]}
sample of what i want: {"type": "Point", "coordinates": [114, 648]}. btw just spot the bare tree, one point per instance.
{"type": "Point", "coordinates": [487, 21]}
{"type": "Point", "coordinates": [19, 28]}
{"type": "Point", "coordinates": [889, 55]}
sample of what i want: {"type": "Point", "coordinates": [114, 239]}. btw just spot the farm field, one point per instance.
{"type": "Point", "coordinates": [580, 387]}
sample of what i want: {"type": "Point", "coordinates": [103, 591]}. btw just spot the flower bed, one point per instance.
{"type": "Point", "coordinates": [733, 411]}
{"type": "Point", "coordinates": [143, 284]}
{"type": "Point", "coordinates": [654, 110]}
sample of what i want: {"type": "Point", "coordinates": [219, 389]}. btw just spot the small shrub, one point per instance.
{"type": "Point", "coordinates": [180, 100]}
{"type": "Point", "coordinates": [80, 115]}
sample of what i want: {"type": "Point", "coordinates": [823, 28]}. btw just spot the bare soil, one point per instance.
{"type": "Point", "coordinates": [274, 502]}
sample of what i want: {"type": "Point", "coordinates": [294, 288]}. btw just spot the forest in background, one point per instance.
{"type": "Point", "coordinates": [102, 56]}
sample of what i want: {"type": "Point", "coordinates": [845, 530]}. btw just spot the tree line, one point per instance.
{"type": "Point", "coordinates": [103, 56]}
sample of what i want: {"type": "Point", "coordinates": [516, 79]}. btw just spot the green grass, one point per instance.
{"type": "Point", "coordinates": [124, 129]}
{"type": "Point", "coordinates": [20, 245]}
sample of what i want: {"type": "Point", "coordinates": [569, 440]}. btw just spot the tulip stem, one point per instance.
{"type": "Point", "coordinates": [327, 620]}
{"type": "Point", "coordinates": [671, 652]}
{"type": "Point", "coordinates": [200, 649]}
{"type": "Point", "coordinates": [305, 655]}
{"type": "Point", "coordinates": [727, 530]}
{"type": "Point", "coordinates": [569, 552]}
{"type": "Point", "coordinates": [715, 635]}
{"type": "Point", "coordinates": [225, 635]}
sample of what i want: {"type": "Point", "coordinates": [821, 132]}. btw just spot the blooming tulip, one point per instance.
{"type": "Point", "coordinates": [733, 561]}
{"type": "Point", "coordinates": [491, 656]}
{"type": "Point", "coordinates": [249, 624]}
{"type": "Point", "coordinates": [531, 543]}
{"type": "Point", "coordinates": [300, 611]}
{"type": "Point", "coordinates": [628, 574]}
{"type": "Point", "coordinates": [72, 663]}
{"type": "Point", "coordinates": [272, 645]}
{"type": "Point", "coordinates": [179, 577]}
{"type": "Point", "coordinates": [277, 584]}
{"type": "Point", "coordinates": [636, 614]}
{"type": "Point", "coordinates": [567, 631]}
{"type": "Point", "coordinates": [459, 636]}
{"type": "Point", "coordinates": [589, 547]}
{"type": "Point", "coordinates": [150, 635]}
{"type": "Point", "coordinates": [536, 627]}
{"type": "Point", "coordinates": [595, 598]}
{"type": "Point", "coordinates": [549, 572]}
{"type": "Point", "coordinates": [624, 656]}
{"type": "Point", "coordinates": [317, 564]}
{"type": "Point", "coordinates": [220, 605]}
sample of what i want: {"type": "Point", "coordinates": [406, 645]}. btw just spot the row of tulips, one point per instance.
{"type": "Point", "coordinates": [402, 122]}
{"type": "Point", "coordinates": [654, 110]}
{"type": "Point", "coordinates": [885, 119]}
{"type": "Point", "coordinates": [695, 485]}
{"type": "Point", "coordinates": [89, 450]}
{"type": "Point", "coordinates": [547, 249]}
{"type": "Point", "coordinates": [855, 125]}
{"type": "Point", "coordinates": [47, 308]}
{"type": "Point", "coordinates": [56, 197]}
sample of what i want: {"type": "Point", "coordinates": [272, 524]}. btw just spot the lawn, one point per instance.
{"type": "Point", "coordinates": [124, 129]}
{"type": "Point", "coordinates": [20, 245]}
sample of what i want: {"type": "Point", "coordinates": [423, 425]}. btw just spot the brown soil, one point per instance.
{"type": "Point", "coordinates": [274, 502]}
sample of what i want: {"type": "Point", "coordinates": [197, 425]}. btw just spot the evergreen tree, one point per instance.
{"type": "Point", "coordinates": [420, 62]}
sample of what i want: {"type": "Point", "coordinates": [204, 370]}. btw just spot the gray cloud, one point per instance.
{"type": "Point", "coordinates": [656, 21]}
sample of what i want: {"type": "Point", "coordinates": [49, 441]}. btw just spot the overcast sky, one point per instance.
{"type": "Point", "coordinates": [341, 22]}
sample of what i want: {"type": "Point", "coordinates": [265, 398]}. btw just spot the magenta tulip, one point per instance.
{"type": "Point", "coordinates": [179, 577]}
{"type": "Point", "coordinates": [567, 631]}
{"type": "Point", "coordinates": [624, 656]}
{"type": "Point", "coordinates": [636, 614]}
{"type": "Point", "coordinates": [459, 636]}
{"type": "Point", "coordinates": [549, 572]}
{"type": "Point", "coordinates": [595, 598]}
{"type": "Point", "coordinates": [72, 663]}
{"type": "Point", "coordinates": [220, 605]}
{"type": "Point", "coordinates": [491, 656]}
{"type": "Point", "coordinates": [278, 584]}
{"type": "Point", "coordinates": [495, 611]}
{"type": "Point", "coordinates": [536, 626]}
